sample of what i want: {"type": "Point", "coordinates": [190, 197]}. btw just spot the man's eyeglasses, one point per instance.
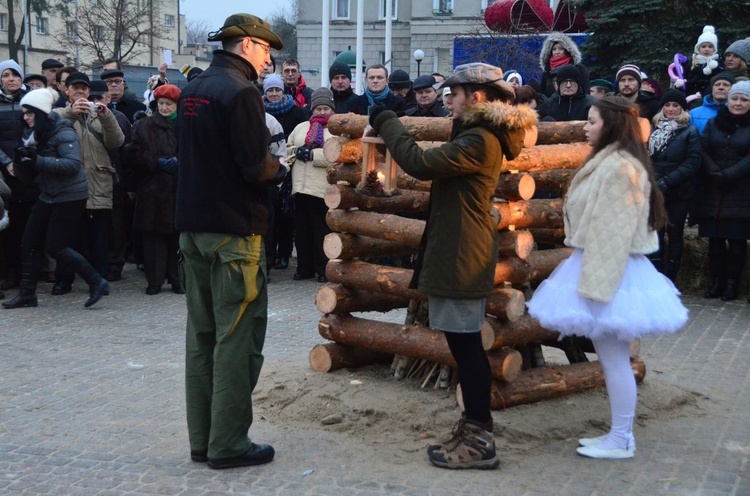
{"type": "Point", "coordinates": [568, 81]}
{"type": "Point", "coordinates": [114, 82]}
{"type": "Point", "coordinates": [266, 48]}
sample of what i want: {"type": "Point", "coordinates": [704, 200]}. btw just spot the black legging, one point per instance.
{"type": "Point", "coordinates": [474, 373]}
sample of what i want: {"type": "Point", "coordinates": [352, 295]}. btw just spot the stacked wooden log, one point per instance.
{"type": "Point", "coordinates": [367, 228]}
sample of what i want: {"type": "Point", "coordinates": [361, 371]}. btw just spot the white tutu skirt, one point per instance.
{"type": "Point", "coordinates": [645, 303]}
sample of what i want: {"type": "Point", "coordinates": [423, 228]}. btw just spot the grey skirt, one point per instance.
{"type": "Point", "coordinates": [452, 315]}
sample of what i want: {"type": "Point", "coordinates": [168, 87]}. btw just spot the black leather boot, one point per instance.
{"type": "Point", "coordinates": [29, 272]}
{"type": "Point", "coordinates": [22, 300]}
{"type": "Point", "coordinates": [716, 289]}
{"type": "Point", "coordinates": [282, 263]}
{"type": "Point", "coordinates": [731, 291]}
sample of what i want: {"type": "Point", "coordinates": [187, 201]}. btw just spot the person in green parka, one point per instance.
{"type": "Point", "coordinates": [459, 249]}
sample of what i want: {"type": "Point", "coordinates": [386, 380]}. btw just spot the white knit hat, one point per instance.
{"type": "Point", "coordinates": [708, 36]}
{"type": "Point", "coordinates": [41, 99]}
{"type": "Point", "coordinates": [740, 88]}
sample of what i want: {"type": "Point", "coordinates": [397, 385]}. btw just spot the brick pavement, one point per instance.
{"type": "Point", "coordinates": [91, 403]}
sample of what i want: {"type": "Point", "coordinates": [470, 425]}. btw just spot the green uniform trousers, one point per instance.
{"type": "Point", "coordinates": [227, 302]}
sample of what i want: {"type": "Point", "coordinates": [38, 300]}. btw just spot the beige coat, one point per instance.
{"type": "Point", "coordinates": [606, 215]}
{"type": "Point", "coordinates": [96, 135]}
{"type": "Point", "coordinates": [307, 177]}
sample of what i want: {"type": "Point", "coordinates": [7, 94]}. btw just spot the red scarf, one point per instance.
{"type": "Point", "coordinates": [314, 138]}
{"type": "Point", "coordinates": [298, 92]}
{"type": "Point", "coordinates": [555, 62]}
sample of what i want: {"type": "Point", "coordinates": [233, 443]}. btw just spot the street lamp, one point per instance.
{"type": "Point", "coordinates": [418, 56]}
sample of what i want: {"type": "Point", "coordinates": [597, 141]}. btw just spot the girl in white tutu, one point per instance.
{"type": "Point", "coordinates": [608, 290]}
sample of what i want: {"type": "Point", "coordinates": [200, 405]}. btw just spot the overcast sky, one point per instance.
{"type": "Point", "coordinates": [215, 12]}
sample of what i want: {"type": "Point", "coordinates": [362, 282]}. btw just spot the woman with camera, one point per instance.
{"type": "Point", "coordinates": [51, 157]}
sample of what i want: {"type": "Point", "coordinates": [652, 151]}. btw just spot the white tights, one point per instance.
{"type": "Point", "coordinates": [614, 356]}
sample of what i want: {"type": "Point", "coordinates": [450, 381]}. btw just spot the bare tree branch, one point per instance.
{"type": "Point", "coordinates": [197, 31]}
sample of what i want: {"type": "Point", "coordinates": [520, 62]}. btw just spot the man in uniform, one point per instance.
{"type": "Point", "coordinates": [221, 213]}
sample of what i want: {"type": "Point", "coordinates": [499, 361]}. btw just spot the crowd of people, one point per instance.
{"type": "Point", "coordinates": [93, 177]}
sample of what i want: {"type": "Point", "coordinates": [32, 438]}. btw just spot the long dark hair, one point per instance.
{"type": "Point", "coordinates": [42, 124]}
{"type": "Point", "coordinates": [620, 125]}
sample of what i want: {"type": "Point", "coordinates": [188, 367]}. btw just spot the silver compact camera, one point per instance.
{"type": "Point", "coordinates": [95, 107]}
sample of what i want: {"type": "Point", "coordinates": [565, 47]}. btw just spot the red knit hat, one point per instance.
{"type": "Point", "coordinates": [168, 91]}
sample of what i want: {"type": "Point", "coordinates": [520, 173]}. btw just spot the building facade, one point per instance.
{"type": "Point", "coordinates": [53, 35]}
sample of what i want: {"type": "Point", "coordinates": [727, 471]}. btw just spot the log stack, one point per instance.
{"type": "Point", "coordinates": [368, 228]}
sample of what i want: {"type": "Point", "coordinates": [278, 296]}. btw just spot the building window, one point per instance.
{"type": "Point", "coordinates": [442, 7]}
{"type": "Point", "coordinates": [42, 25]}
{"type": "Point", "coordinates": [3, 22]}
{"type": "Point", "coordinates": [169, 20]}
{"type": "Point", "coordinates": [99, 33]}
{"type": "Point", "coordinates": [71, 30]}
{"type": "Point", "coordinates": [484, 4]}
{"type": "Point", "coordinates": [381, 11]}
{"type": "Point", "coordinates": [340, 9]}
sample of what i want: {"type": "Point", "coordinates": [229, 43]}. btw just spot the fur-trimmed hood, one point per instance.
{"type": "Point", "coordinates": [566, 42]}
{"type": "Point", "coordinates": [503, 120]}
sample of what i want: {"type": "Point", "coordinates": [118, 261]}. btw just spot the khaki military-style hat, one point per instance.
{"type": "Point", "coordinates": [246, 25]}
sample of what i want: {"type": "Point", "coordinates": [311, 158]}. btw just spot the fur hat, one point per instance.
{"type": "Point", "coordinates": [322, 96]}
{"type": "Point", "coordinates": [740, 88]}
{"type": "Point", "coordinates": [708, 36]}
{"type": "Point", "coordinates": [168, 91]}
{"type": "Point", "coordinates": [399, 79]}
{"type": "Point", "coordinates": [741, 48]}
{"type": "Point", "coordinates": [568, 72]}
{"type": "Point", "coordinates": [273, 81]}
{"type": "Point", "coordinates": [40, 99]}
{"type": "Point", "coordinates": [677, 96]}
{"type": "Point", "coordinates": [629, 70]}
{"type": "Point", "coordinates": [567, 43]}
{"type": "Point", "coordinates": [339, 68]}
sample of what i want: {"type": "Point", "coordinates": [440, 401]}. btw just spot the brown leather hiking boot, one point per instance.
{"type": "Point", "coordinates": [472, 446]}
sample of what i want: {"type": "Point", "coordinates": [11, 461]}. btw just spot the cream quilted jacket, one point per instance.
{"type": "Point", "coordinates": [606, 215]}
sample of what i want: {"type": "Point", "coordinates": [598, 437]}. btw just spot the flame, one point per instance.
{"type": "Point", "coordinates": [381, 177]}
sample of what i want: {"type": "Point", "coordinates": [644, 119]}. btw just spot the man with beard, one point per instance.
{"type": "Point", "coordinates": [629, 80]}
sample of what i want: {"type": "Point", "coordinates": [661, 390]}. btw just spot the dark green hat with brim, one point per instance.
{"type": "Point", "coordinates": [238, 25]}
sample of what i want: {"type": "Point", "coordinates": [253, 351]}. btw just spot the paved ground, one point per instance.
{"type": "Point", "coordinates": [91, 403]}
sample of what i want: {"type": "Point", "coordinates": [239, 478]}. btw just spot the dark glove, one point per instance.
{"type": "Point", "coordinates": [374, 111]}
{"type": "Point", "coordinates": [662, 184]}
{"type": "Point", "coordinates": [26, 157]}
{"type": "Point", "coordinates": [304, 153]}
{"type": "Point", "coordinates": [168, 164]}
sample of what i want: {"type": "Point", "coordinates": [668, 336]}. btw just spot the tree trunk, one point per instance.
{"type": "Point", "coordinates": [413, 341]}
{"type": "Point", "coordinates": [536, 268]}
{"type": "Point", "coordinates": [530, 213]}
{"type": "Point", "coordinates": [514, 187]}
{"type": "Point", "coordinates": [506, 304]}
{"type": "Point", "coordinates": [553, 180]}
{"type": "Point", "coordinates": [333, 356]}
{"type": "Point", "coordinates": [338, 299]}
{"type": "Point", "coordinates": [352, 174]}
{"type": "Point", "coordinates": [384, 226]}
{"type": "Point", "coordinates": [566, 156]}
{"type": "Point", "coordinates": [516, 243]}
{"type": "Point", "coordinates": [348, 246]}
{"type": "Point", "coordinates": [547, 236]}
{"type": "Point", "coordinates": [553, 133]}
{"type": "Point", "coordinates": [340, 196]}
{"type": "Point", "coordinates": [544, 383]}
{"type": "Point", "coordinates": [497, 333]}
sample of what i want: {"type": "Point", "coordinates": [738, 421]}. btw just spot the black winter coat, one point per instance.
{"type": "Point", "coordinates": [156, 191]}
{"type": "Point", "coordinates": [289, 120]}
{"type": "Point", "coordinates": [360, 103]}
{"type": "Point", "coordinates": [341, 100]}
{"type": "Point", "coordinates": [724, 188]}
{"type": "Point", "coordinates": [224, 161]}
{"type": "Point", "coordinates": [11, 130]}
{"type": "Point", "coordinates": [436, 110]}
{"type": "Point", "coordinates": [679, 162]}
{"type": "Point", "coordinates": [560, 108]}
